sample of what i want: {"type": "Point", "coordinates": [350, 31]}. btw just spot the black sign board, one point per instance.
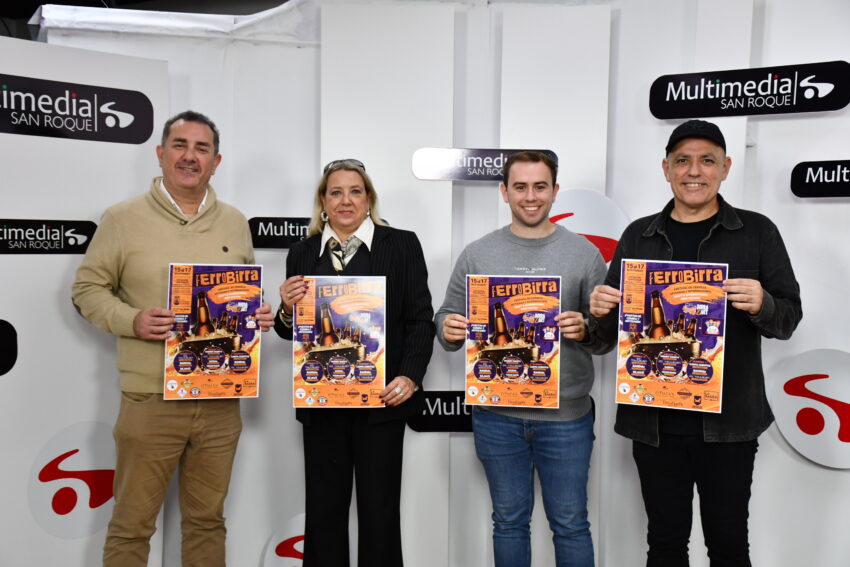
{"type": "Point", "coordinates": [821, 179]}
{"type": "Point", "coordinates": [277, 232]}
{"type": "Point", "coordinates": [38, 107]}
{"type": "Point", "coordinates": [810, 87]}
{"type": "Point", "coordinates": [24, 236]}
{"type": "Point", "coordinates": [444, 411]}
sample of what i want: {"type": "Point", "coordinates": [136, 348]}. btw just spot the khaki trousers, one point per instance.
{"type": "Point", "coordinates": [152, 438]}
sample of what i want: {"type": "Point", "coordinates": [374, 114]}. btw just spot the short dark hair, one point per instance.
{"type": "Point", "coordinates": [191, 116]}
{"type": "Point", "coordinates": [530, 156]}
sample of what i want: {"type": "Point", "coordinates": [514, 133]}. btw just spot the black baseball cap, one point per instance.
{"type": "Point", "coordinates": [696, 129]}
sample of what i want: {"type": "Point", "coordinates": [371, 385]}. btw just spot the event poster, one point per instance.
{"type": "Point", "coordinates": [338, 341]}
{"type": "Point", "coordinates": [513, 348]}
{"type": "Point", "coordinates": [671, 339]}
{"type": "Point", "coordinates": [213, 350]}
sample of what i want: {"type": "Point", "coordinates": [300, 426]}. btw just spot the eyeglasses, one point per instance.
{"type": "Point", "coordinates": [340, 163]}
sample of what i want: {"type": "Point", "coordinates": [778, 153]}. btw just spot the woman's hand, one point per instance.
{"type": "Point", "coordinates": [291, 292]}
{"type": "Point", "coordinates": [398, 391]}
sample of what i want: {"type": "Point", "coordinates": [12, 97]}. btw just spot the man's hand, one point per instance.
{"type": "Point", "coordinates": [744, 294]}
{"type": "Point", "coordinates": [153, 324]}
{"type": "Point", "coordinates": [265, 317]}
{"type": "Point", "coordinates": [603, 299]}
{"type": "Point", "coordinates": [454, 327]}
{"type": "Point", "coordinates": [571, 325]}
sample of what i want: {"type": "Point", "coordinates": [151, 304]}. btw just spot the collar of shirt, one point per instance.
{"type": "Point", "coordinates": [176, 206]}
{"type": "Point", "coordinates": [364, 232]}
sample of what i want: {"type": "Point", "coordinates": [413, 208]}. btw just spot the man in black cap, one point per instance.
{"type": "Point", "coordinates": [675, 449]}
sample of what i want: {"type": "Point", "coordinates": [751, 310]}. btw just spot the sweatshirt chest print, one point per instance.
{"type": "Point", "coordinates": [529, 271]}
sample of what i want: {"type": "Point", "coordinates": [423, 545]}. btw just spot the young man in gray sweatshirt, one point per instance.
{"type": "Point", "coordinates": [512, 442]}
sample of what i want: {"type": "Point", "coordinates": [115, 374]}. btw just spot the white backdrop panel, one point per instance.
{"type": "Point", "coordinates": [555, 63]}
{"type": "Point", "coordinates": [65, 373]}
{"type": "Point", "coordinates": [795, 501]}
{"type": "Point", "coordinates": [554, 86]}
{"type": "Point", "coordinates": [387, 90]}
{"type": "Point", "coordinates": [258, 80]}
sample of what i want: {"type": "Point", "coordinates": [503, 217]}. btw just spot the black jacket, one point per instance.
{"type": "Point", "coordinates": [750, 243]}
{"type": "Point", "coordinates": [397, 255]}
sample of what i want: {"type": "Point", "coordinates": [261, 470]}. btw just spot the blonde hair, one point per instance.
{"type": "Point", "coordinates": [317, 225]}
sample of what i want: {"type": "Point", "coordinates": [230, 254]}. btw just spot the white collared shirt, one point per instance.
{"type": "Point", "coordinates": [364, 232]}
{"type": "Point", "coordinates": [176, 206]}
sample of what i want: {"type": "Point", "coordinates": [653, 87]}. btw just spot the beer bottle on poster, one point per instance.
{"type": "Point", "coordinates": [531, 334]}
{"type": "Point", "coordinates": [520, 332]}
{"type": "Point", "coordinates": [692, 328]}
{"type": "Point", "coordinates": [203, 326]}
{"type": "Point", "coordinates": [658, 327]}
{"type": "Point", "coordinates": [328, 335]}
{"type": "Point", "coordinates": [680, 324]}
{"type": "Point", "coordinates": [500, 336]}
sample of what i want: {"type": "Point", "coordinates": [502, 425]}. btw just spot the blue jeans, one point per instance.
{"type": "Point", "coordinates": [510, 450]}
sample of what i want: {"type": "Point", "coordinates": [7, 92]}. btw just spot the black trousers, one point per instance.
{"type": "Point", "coordinates": [339, 445]}
{"type": "Point", "coordinates": [723, 475]}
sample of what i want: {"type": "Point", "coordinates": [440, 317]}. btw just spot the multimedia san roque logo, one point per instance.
{"type": "Point", "coordinates": [821, 179]}
{"type": "Point", "coordinates": [808, 87]}
{"type": "Point", "coordinates": [810, 398]}
{"type": "Point", "coordinates": [444, 411]}
{"type": "Point", "coordinates": [277, 232]}
{"type": "Point", "coordinates": [463, 164]}
{"type": "Point", "coordinates": [18, 236]}
{"type": "Point", "coordinates": [70, 482]}
{"type": "Point", "coordinates": [39, 107]}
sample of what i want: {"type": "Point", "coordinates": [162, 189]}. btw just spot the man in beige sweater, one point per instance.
{"type": "Point", "coordinates": [120, 287]}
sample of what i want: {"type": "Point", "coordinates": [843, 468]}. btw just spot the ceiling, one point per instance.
{"type": "Point", "coordinates": [15, 15]}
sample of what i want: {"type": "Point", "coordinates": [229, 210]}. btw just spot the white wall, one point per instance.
{"type": "Point", "coordinates": [264, 83]}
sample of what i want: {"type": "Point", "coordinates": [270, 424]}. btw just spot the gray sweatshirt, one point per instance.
{"type": "Point", "coordinates": [562, 253]}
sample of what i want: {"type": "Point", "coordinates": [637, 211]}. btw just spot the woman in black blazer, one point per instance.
{"type": "Point", "coordinates": [348, 238]}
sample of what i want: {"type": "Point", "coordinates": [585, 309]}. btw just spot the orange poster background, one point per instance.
{"type": "Point", "coordinates": [204, 383]}
{"type": "Point", "coordinates": [313, 391]}
{"type": "Point", "coordinates": [677, 392]}
{"type": "Point", "coordinates": [484, 389]}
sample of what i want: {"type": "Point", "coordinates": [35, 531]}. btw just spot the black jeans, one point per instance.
{"type": "Point", "coordinates": [723, 474]}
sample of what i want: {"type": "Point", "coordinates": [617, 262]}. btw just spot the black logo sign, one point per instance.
{"type": "Point", "coordinates": [444, 411]}
{"type": "Point", "coordinates": [8, 346]}
{"type": "Point", "coordinates": [278, 232]}
{"type": "Point", "coordinates": [38, 107]}
{"type": "Point", "coordinates": [457, 164]}
{"type": "Point", "coordinates": [45, 236]}
{"type": "Point", "coordinates": [821, 179]}
{"type": "Point", "coordinates": [811, 87]}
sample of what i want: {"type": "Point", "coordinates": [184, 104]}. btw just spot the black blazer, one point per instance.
{"type": "Point", "coordinates": [397, 255]}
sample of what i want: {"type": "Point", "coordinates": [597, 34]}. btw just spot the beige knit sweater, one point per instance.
{"type": "Point", "coordinates": [125, 270]}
